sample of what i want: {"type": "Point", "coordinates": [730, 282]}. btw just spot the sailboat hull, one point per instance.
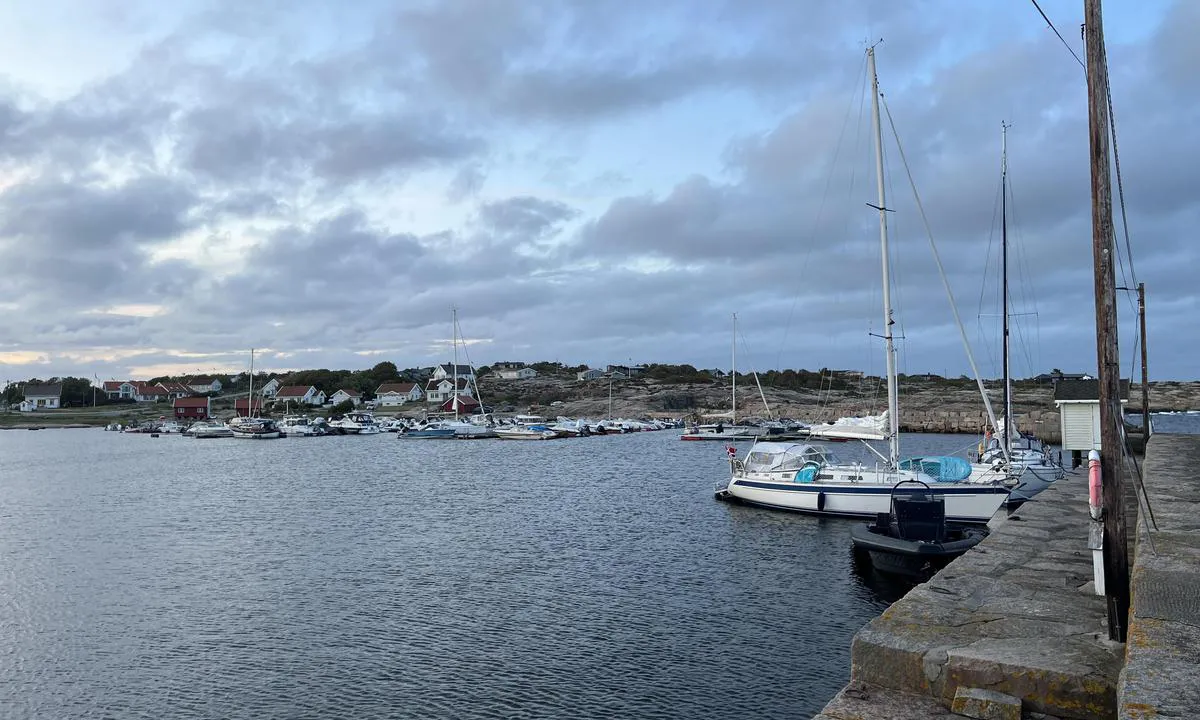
{"type": "Point", "coordinates": [964, 503]}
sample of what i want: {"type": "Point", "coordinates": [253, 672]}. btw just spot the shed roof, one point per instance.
{"type": "Point", "coordinates": [191, 402]}
{"type": "Point", "coordinates": [1076, 390]}
{"type": "Point", "coordinates": [51, 390]}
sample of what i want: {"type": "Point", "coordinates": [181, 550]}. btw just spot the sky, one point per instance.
{"type": "Point", "coordinates": [589, 182]}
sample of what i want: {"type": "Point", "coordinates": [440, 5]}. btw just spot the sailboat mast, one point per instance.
{"type": "Point", "coordinates": [733, 367]}
{"type": "Point", "coordinates": [893, 399]}
{"type": "Point", "coordinates": [250, 395]}
{"type": "Point", "coordinates": [1008, 417]}
{"type": "Point", "coordinates": [454, 341]}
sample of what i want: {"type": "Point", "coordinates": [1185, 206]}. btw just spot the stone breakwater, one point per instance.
{"type": "Point", "coordinates": [944, 407]}
{"type": "Point", "coordinates": [1015, 623]}
{"type": "Point", "coordinates": [1042, 423]}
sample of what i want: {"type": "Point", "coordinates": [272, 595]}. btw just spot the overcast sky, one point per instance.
{"type": "Point", "coordinates": [588, 181]}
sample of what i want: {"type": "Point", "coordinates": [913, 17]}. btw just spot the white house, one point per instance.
{"type": "Point", "coordinates": [300, 394]}
{"type": "Point", "coordinates": [270, 388]}
{"type": "Point", "coordinates": [437, 391]}
{"type": "Point", "coordinates": [41, 397]}
{"type": "Point", "coordinates": [397, 394]}
{"type": "Point", "coordinates": [1078, 403]}
{"type": "Point", "coordinates": [119, 389]}
{"type": "Point", "coordinates": [343, 395]}
{"type": "Point", "coordinates": [141, 391]}
{"type": "Point", "coordinates": [589, 374]}
{"type": "Point", "coordinates": [519, 374]}
{"type": "Point", "coordinates": [204, 385]}
{"type": "Point", "coordinates": [447, 371]}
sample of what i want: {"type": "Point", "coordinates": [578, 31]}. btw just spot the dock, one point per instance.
{"type": "Point", "coordinates": [1014, 629]}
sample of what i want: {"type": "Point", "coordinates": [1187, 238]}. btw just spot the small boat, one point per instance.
{"type": "Point", "coordinates": [525, 432]}
{"type": "Point", "coordinates": [914, 540]}
{"type": "Point", "coordinates": [205, 429]}
{"type": "Point", "coordinates": [355, 423]}
{"type": "Point", "coordinates": [427, 431]}
{"type": "Point", "coordinates": [296, 426]}
{"type": "Point", "coordinates": [256, 428]}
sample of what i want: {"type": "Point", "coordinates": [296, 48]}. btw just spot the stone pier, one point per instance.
{"type": "Point", "coordinates": [1162, 661]}
{"type": "Point", "coordinates": [1017, 615]}
{"type": "Point", "coordinates": [1013, 628]}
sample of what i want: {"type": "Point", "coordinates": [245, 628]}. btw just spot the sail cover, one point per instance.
{"type": "Point", "coordinates": [870, 427]}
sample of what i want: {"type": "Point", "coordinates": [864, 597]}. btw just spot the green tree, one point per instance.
{"type": "Point", "coordinates": [342, 408]}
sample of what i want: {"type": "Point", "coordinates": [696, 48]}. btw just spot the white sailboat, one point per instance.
{"type": "Point", "coordinates": [731, 432]}
{"type": "Point", "coordinates": [1021, 461]}
{"type": "Point", "coordinates": [809, 478]}
{"type": "Point", "coordinates": [250, 427]}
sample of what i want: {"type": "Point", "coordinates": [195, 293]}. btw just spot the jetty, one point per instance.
{"type": "Point", "coordinates": [1014, 629]}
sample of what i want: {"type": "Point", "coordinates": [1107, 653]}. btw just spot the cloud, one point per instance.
{"type": "Point", "coordinates": [585, 181]}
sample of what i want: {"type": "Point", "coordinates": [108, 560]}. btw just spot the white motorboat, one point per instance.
{"type": "Point", "coordinates": [810, 478]}
{"type": "Point", "coordinates": [208, 429]}
{"type": "Point", "coordinates": [169, 427]}
{"type": "Point", "coordinates": [355, 423]}
{"type": "Point", "coordinates": [474, 427]}
{"type": "Point", "coordinates": [568, 427]}
{"type": "Point", "coordinates": [297, 426]}
{"type": "Point", "coordinates": [718, 432]}
{"type": "Point", "coordinates": [254, 428]}
{"type": "Point", "coordinates": [525, 432]}
{"type": "Point", "coordinates": [391, 424]}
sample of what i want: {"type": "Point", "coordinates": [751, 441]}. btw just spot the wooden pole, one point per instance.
{"type": "Point", "coordinates": [1116, 558]}
{"type": "Point", "coordinates": [1141, 289]}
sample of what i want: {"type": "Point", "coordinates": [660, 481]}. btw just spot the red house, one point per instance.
{"type": "Point", "coordinates": [466, 404]}
{"type": "Point", "coordinates": [242, 407]}
{"type": "Point", "coordinates": [192, 408]}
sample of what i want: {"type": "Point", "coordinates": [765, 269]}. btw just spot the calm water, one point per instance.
{"type": "Point", "coordinates": [373, 577]}
{"type": "Point", "coordinates": [1180, 422]}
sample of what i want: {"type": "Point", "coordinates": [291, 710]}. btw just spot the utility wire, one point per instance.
{"type": "Point", "coordinates": [1060, 37]}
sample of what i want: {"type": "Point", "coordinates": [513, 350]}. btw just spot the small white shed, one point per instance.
{"type": "Point", "coordinates": [1078, 403]}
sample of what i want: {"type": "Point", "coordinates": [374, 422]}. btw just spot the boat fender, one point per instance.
{"type": "Point", "coordinates": [820, 501]}
{"type": "Point", "coordinates": [1095, 494]}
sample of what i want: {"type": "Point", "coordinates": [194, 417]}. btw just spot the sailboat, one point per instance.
{"type": "Point", "coordinates": [1022, 461]}
{"type": "Point", "coordinates": [810, 478]}
{"type": "Point", "coordinates": [461, 427]}
{"type": "Point", "coordinates": [251, 427]}
{"type": "Point", "coordinates": [731, 432]}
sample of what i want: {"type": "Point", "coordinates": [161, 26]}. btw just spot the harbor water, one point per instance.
{"type": "Point", "coordinates": [371, 577]}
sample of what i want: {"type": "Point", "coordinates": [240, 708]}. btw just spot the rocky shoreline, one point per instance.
{"type": "Point", "coordinates": [941, 406]}
{"type": "Point", "coordinates": [931, 406]}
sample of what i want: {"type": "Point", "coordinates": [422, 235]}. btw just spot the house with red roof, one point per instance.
{"type": "Point", "coordinates": [344, 394]}
{"type": "Point", "coordinates": [174, 389]}
{"type": "Point", "coordinates": [392, 394]}
{"type": "Point", "coordinates": [118, 389]}
{"type": "Point", "coordinates": [136, 390]}
{"type": "Point", "coordinates": [300, 395]}
{"type": "Point", "coordinates": [466, 404]}
{"type": "Point", "coordinates": [192, 408]}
